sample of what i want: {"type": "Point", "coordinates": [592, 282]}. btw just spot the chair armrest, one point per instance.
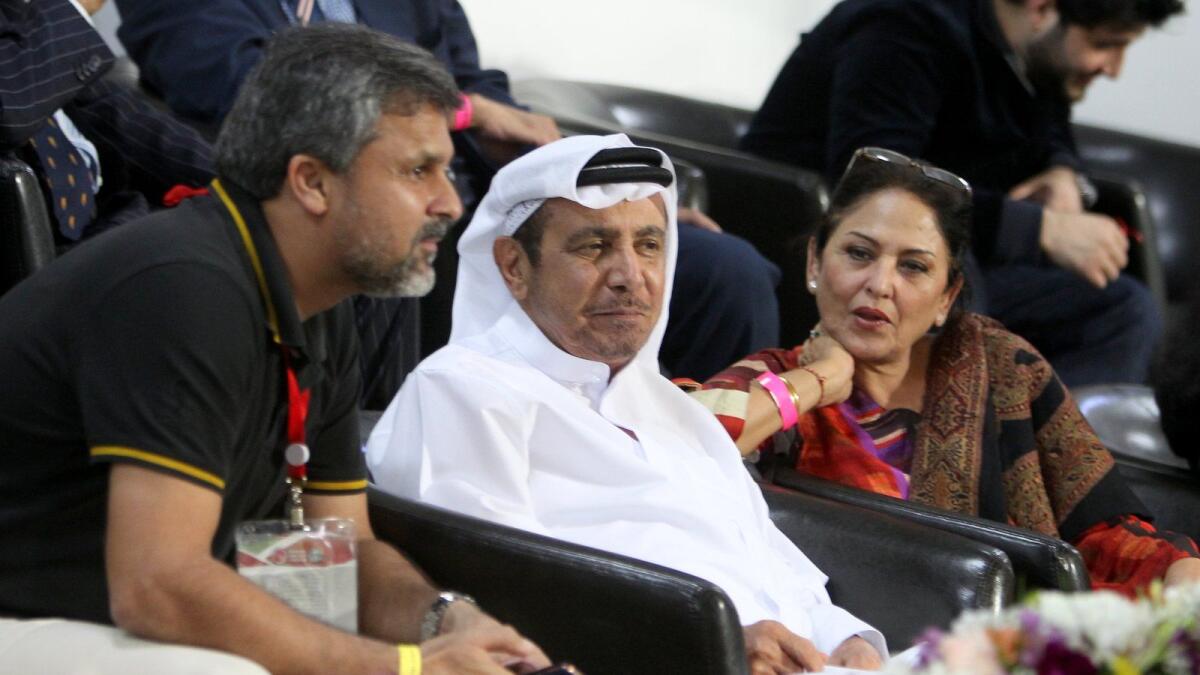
{"type": "Point", "coordinates": [1124, 198]}
{"type": "Point", "coordinates": [1039, 560]}
{"type": "Point", "coordinates": [1171, 494]}
{"type": "Point", "coordinates": [26, 234]}
{"type": "Point", "coordinates": [896, 575]}
{"type": "Point", "coordinates": [603, 612]}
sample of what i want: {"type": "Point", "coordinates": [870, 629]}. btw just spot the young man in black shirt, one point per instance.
{"type": "Point", "coordinates": [146, 404]}
{"type": "Point", "coordinates": [983, 88]}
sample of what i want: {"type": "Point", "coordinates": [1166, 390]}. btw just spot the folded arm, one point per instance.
{"type": "Point", "coordinates": [43, 45]}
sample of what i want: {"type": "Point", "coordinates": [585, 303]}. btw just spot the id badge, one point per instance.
{"type": "Point", "coordinates": [314, 570]}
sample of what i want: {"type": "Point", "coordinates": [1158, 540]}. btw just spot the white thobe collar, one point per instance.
{"type": "Point", "coordinates": [584, 377]}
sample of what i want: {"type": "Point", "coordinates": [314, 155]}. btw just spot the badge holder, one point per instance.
{"type": "Point", "coordinates": [312, 564]}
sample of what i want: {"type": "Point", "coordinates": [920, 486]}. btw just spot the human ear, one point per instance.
{"type": "Point", "coordinates": [513, 264]}
{"type": "Point", "coordinates": [1044, 14]}
{"type": "Point", "coordinates": [948, 298]}
{"type": "Point", "coordinates": [309, 181]}
{"type": "Point", "coordinates": [813, 266]}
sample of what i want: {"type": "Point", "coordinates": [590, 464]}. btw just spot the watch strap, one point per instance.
{"type": "Point", "coordinates": [431, 623]}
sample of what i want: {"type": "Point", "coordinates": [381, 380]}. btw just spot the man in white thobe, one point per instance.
{"type": "Point", "coordinates": [547, 411]}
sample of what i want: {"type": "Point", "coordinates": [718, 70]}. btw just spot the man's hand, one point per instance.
{"type": "Point", "coordinates": [503, 129]}
{"type": "Point", "coordinates": [1055, 188]}
{"type": "Point", "coordinates": [1087, 244]}
{"type": "Point", "coordinates": [467, 620]}
{"type": "Point", "coordinates": [697, 218]}
{"type": "Point", "coordinates": [773, 649]}
{"type": "Point", "coordinates": [484, 648]}
{"type": "Point", "coordinates": [856, 652]}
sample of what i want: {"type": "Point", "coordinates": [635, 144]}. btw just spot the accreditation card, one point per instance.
{"type": "Point", "coordinates": [314, 569]}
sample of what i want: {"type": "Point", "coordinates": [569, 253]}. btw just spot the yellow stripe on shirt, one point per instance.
{"type": "Point", "coordinates": [334, 486]}
{"type": "Point", "coordinates": [255, 262]}
{"type": "Point", "coordinates": [159, 460]}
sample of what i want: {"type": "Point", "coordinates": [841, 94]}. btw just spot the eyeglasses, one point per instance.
{"type": "Point", "coordinates": [876, 154]}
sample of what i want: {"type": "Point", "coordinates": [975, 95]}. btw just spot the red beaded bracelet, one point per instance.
{"type": "Point", "coordinates": [820, 382]}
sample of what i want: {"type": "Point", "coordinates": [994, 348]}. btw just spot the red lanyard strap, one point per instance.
{"type": "Point", "coordinates": [296, 452]}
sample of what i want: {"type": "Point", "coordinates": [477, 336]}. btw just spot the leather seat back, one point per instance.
{"type": "Point", "coordinates": [604, 613]}
{"type": "Point", "coordinates": [26, 233]}
{"type": "Point", "coordinates": [1038, 560]}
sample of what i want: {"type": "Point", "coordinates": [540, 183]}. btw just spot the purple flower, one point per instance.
{"type": "Point", "coordinates": [1059, 659]}
{"type": "Point", "coordinates": [928, 651]}
{"type": "Point", "coordinates": [1187, 647]}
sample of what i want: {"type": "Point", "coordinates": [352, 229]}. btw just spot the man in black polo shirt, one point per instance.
{"type": "Point", "coordinates": [983, 88]}
{"type": "Point", "coordinates": [145, 404]}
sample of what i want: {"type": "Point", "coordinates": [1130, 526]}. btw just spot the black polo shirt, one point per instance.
{"type": "Point", "coordinates": [160, 344]}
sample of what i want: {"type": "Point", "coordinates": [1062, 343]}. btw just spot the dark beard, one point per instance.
{"type": "Point", "coordinates": [1049, 80]}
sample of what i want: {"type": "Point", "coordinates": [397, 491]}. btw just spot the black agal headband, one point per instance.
{"type": "Point", "coordinates": [624, 165]}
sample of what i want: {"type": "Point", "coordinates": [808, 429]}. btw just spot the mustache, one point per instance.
{"type": "Point", "coordinates": [434, 227]}
{"type": "Point", "coordinates": [627, 303]}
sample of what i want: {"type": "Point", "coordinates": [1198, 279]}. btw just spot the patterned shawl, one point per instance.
{"type": "Point", "coordinates": [999, 437]}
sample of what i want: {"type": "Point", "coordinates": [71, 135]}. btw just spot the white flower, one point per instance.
{"type": "Point", "coordinates": [1182, 601]}
{"type": "Point", "coordinates": [1102, 624]}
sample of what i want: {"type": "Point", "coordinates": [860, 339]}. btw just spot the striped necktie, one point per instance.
{"type": "Point", "coordinates": [67, 180]}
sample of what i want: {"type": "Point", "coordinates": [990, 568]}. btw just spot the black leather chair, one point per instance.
{"type": "Point", "coordinates": [609, 614]}
{"type": "Point", "coordinates": [1171, 494]}
{"type": "Point", "coordinates": [1122, 197]}
{"type": "Point", "coordinates": [653, 112]}
{"type": "Point", "coordinates": [1038, 560]}
{"type": "Point", "coordinates": [900, 576]}
{"type": "Point", "coordinates": [26, 235]}
{"type": "Point", "coordinates": [604, 613]}
{"type": "Point", "coordinates": [1126, 418]}
{"type": "Point", "coordinates": [1166, 173]}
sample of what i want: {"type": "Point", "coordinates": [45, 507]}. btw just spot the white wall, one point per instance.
{"type": "Point", "coordinates": [730, 50]}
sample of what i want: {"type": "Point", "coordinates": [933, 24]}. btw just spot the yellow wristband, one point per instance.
{"type": "Point", "coordinates": [410, 659]}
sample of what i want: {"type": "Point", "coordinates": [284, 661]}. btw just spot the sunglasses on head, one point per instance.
{"type": "Point", "coordinates": [875, 154]}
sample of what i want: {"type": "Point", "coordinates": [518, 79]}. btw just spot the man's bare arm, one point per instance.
{"type": "Point", "coordinates": [165, 585]}
{"type": "Point", "coordinates": [393, 595]}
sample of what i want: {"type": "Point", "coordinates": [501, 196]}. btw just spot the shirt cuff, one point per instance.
{"type": "Point", "coordinates": [833, 625]}
{"type": "Point", "coordinates": [1019, 236]}
{"type": "Point", "coordinates": [1065, 158]}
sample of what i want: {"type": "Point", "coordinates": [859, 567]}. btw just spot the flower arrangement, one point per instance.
{"type": "Point", "coordinates": [1071, 634]}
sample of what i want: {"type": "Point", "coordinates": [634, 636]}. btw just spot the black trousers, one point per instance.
{"type": "Point", "coordinates": [1089, 335]}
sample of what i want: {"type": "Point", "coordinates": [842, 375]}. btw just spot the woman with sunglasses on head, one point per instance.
{"type": "Point", "coordinates": [899, 392]}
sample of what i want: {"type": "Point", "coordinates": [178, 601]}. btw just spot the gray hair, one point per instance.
{"type": "Point", "coordinates": [320, 91]}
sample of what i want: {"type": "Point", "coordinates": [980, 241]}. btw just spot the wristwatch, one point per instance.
{"type": "Point", "coordinates": [1088, 194]}
{"type": "Point", "coordinates": [431, 623]}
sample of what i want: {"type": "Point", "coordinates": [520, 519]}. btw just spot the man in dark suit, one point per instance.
{"type": "Point", "coordinates": [197, 53]}
{"type": "Point", "coordinates": [104, 155]}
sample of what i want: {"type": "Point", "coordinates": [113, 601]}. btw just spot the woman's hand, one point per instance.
{"type": "Point", "coordinates": [1184, 571]}
{"type": "Point", "coordinates": [831, 361]}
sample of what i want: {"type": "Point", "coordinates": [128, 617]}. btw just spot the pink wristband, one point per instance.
{"type": "Point", "coordinates": [777, 388]}
{"type": "Point", "coordinates": [462, 116]}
